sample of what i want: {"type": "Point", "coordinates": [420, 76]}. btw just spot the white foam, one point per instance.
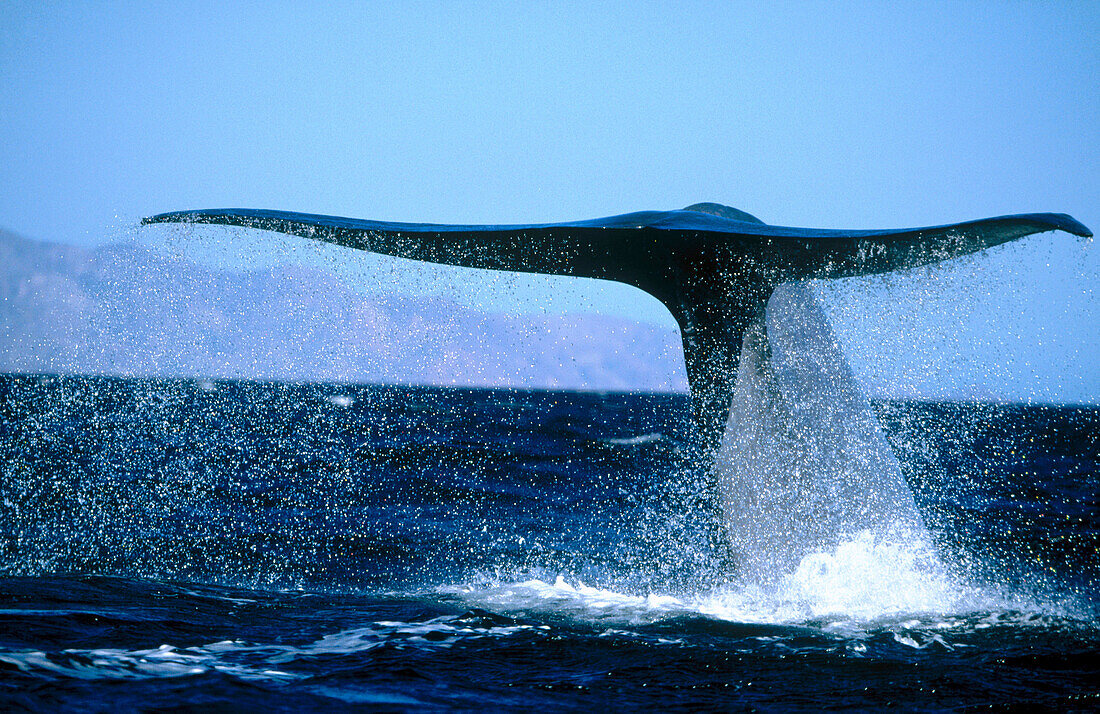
{"type": "Point", "coordinates": [158, 662]}
{"type": "Point", "coordinates": [636, 440]}
{"type": "Point", "coordinates": [229, 656]}
{"type": "Point", "coordinates": [868, 578]}
{"type": "Point", "coordinates": [866, 582]}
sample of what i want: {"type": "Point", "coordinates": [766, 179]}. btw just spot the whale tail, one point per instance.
{"type": "Point", "coordinates": [714, 267]}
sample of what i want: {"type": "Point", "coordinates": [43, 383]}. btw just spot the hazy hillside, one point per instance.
{"type": "Point", "coordinates": [126, 310]}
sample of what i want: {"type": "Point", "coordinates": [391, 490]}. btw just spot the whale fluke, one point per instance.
{"type": "Point", "coordinates": [714, 267]}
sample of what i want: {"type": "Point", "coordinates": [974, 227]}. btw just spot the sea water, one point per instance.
{"type": "Point", "coordinates": [194, 544]}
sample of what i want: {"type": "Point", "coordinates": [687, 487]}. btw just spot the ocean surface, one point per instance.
{"type": "Point", "coordinates": [196, 545]}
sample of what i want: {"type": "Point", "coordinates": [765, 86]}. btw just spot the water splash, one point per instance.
{"type": "Point", "coordinates": [863, 584]}
{"type": "Point", "coordinates": [804, 467]}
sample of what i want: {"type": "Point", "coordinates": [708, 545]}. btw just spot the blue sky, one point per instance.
{"type": "Point", "coordinates": [859, 115]}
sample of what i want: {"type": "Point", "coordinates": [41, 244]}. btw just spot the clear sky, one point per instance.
{"type": "Point", "coordinates": [858, 115]}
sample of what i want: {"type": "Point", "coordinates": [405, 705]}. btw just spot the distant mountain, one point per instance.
{"type": "Point", "coordinates": [128, 311]}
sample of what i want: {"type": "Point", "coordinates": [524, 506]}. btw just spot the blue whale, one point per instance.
{"type": "Point", "coordinates": [714, 267]}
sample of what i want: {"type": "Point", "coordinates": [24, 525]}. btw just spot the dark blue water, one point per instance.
{"type": "Point", "coordinates": [193, 545]}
